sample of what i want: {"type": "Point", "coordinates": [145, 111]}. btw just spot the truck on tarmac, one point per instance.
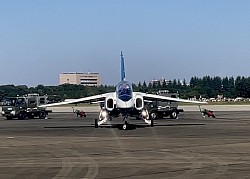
{"type": "Point", "coordinates": [159, 109]}
{"type": "Point", "coordinates": [26, 106]}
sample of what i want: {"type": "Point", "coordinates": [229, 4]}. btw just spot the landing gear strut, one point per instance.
{"type": "Point", "coordinates": [145, 117]}
{"type": "Point", "coordinates": [103, 118]}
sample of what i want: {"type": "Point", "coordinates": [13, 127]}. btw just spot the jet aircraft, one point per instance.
{"type": "Point", "coordinates": [123, 102]}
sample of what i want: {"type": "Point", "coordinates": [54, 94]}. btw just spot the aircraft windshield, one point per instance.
{"type": "Point", "coordinates": [124, 91]}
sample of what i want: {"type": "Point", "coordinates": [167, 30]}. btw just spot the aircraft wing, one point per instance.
{"type": "Point", "coordinates": [89, 99]}
{"type": "Point", "coordinates": [153, 97]}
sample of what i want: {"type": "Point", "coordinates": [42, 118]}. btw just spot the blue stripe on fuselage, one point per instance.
{"type": "Point", "coordinates": [123, 75]}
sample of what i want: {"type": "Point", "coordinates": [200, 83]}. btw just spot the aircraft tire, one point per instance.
{"type": "Point", "coordinates": [124, 127]}
{"type": "Point", "coordinates": [96, 123]}
{"type": "Point", "coordinates": [152, 123]}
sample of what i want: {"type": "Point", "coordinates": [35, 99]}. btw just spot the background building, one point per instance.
{"type": "Point", "coordinates": [86, 79]}
{"type": "Point", "coordinates": [156, 82]}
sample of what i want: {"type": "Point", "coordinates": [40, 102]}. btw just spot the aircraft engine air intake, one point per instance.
{"type": "Point", "coordinates": [139, 104]}
{"type": "Point", "coordinates": [109, 103]}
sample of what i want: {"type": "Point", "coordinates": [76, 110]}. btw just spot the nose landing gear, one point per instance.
{"type": "Point", "coordinates": [125, 125]}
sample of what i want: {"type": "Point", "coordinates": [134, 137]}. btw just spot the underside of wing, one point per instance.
{"type": "Point", "coordinates": [89, 99]}
{"type": "Point", "coordinates": [153, 97]}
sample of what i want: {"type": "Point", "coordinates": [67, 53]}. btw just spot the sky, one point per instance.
{"type": "Point", "coordinates": [171, 39]}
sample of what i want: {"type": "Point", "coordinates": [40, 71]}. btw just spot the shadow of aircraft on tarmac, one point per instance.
{"type": "Point", "coordinates": [130, 126]}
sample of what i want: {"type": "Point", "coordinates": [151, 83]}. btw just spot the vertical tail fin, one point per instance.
{"type": "Point", "coordinates": [122, 68]}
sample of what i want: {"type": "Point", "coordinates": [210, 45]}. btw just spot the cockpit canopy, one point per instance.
{"type": "Point", "coordinates": [124, 91]}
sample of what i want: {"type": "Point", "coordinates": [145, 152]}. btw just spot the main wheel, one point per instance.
{"type": "Point", "coordinates": [174, 115]}
{"type": "Point", "coordinates": [96, 123]}
{"type": "Point", "coordinates": [152, 123]}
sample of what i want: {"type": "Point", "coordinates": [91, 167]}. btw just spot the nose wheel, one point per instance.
{"type": "Point", "coordinates": [125, 125]}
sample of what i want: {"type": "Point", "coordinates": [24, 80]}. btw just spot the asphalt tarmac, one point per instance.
{"type": "Point", "coordinates": [65, 146]}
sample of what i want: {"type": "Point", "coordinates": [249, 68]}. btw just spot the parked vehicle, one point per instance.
{"type": "Point", "coordinates": [26, 106]}
{"type": "Point", "coordinates": [160, 109]}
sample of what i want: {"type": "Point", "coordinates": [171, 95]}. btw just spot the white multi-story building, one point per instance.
{"type": "Point", "coordinates": [86, 79]}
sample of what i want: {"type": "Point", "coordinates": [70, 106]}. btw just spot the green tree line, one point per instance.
{"type": "Point", "coordinates": [207, 87]}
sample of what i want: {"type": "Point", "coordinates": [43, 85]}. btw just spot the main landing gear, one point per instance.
{"type": "Point", "coordinates": [103, 118]}
{"type": "Point", "coordinates": [145, 117]}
